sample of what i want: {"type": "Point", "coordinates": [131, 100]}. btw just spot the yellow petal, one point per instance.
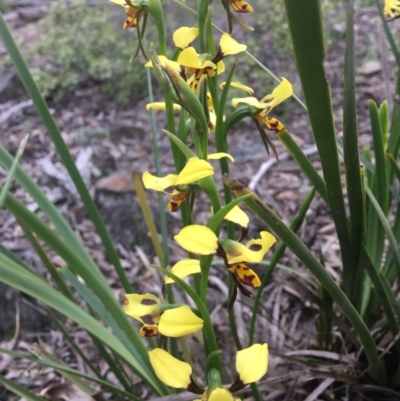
{"type": "Point", "coordinates": [220, 155]}
{"type": "Point", "coordinates": [245, 275]}
{"type": "Point", "coordinates": [220, 67]}
{"type": "Point", "coordinates": [220, 394]}
{"type": "Point", "coordinates": [194, 170]}
{"type": "Point", "coordinates": [241, 6]}
{"type": "Point", "coordinates": [177, 199]}
{"type": "Point", "coordinates": [120, 2]}
{"type": "Point", "coordinates": [137, 305]}
{"type": "Point", "coordinates": [197, 239]}
{"type": "Point", "coordinates": [169, 370]}
{"type": "Point", "coordinates": [148, 331]}
{"type": "Point", "coordinates": [165, 61]}
{"type": "Point", "coordinates": [252, 363]}
{"type": "Point", "coordinates": [238, 216]}
{"type": "Point", "coordinates": [253, 251]}
{"type": "Point", "coordinates": [239, 86]}
{"type": "Point", "coordinates": [229, 45]}
{"type": "Point", "coordinates": [179, 322]}
{"type": "Point", "coordinates": [279, 94]}
{"type": "Point", "coordinates": [251, 101]}
{"type": "Point", "coordinates": [183, 36]}
{"type": "Point", "coordinates": [161, 106]}
{"type": "Point", "coordinates": [158, 183]}
{"type": "Point", "coordinates": [183, 268]}
{"type": "Point", "coordinates": [392, 8]}
{"type": "Point", "coordinates": [189, 58]}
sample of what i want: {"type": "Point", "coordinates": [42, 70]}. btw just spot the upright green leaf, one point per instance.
{"type": "Point", "coordinates": [62, 149]}
{"type": "Point", "coordinates": [352, 164]}
{"type": "Point", "coordinates": [305, 23]}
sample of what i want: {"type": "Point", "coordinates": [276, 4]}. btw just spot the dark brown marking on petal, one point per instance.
{"type": "Point", "coordinates": [147, 301]}
{"type": "Point", "coordinates": [149, 332]}
{"type": "Point", "coordinates": [193, 387]}
{"type": "Point", "coordinates": [247, 280]}
{"type": "Point", "coordinates": [255, 247]}
{"type": "Point", "coordinates": [237, 385]}
{"type": "Point", "coordinates": [126, 301]}
{"type": "Point", "coordinates": [148, 319]}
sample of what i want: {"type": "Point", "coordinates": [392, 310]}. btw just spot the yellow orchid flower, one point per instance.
{"type": "Point", "coordinates": [156, 317]}
{"type": "Point", "coordinates": [392, 8]}
{"type": "Point", "coordinates": [183, 268]}
{"type": "Point", "coordinates": [203, 241]}
{"type": "Point", "coordinates": [251, 366]}
{"type": "Point", "coordinates": [241, 6]}
{"type": "Point", "coordinates": [195, 170]}
{"type": "Point", "coordinates": [253, 251]}
{"type": "Point", "coordinates": [267, 103]}
{"type": "Point", "coordinates": [184, 36]}
{"type": "Point", "coordinates": [200, 64]}
{"type": "Point", "coordinates": [132, 13]}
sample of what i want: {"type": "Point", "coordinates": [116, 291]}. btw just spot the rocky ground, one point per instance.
{"type": "Point", "coordinates": [111, 142]}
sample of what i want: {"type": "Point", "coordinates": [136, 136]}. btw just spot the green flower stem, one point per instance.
{"type": "Point", "coordinates": [278, 253]}
{"type": "Point", "coordinates": [231, 319]}
{"type": "Point", "coordinates": [161, 205]}
{"type": "Point", "coordinates": [208, 329]}
{"type": "Point", "coordinates": [156, 10]}
{"type": "Point", "coordinates": [294, 243]}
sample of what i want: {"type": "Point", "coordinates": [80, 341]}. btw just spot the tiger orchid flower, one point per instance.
{"type": "Point", "coordinates": [178, 185]}
{"type": "Point", "coordinates": [158, 317]}
{"type": "Point", "coordinates": [283, 91]}
{"type": "Point", "coordinates": [132, 13]}
{"type": "Point", "coordinates": [202, 240]}
{"type": "Point", "coordinates": [197, 65]}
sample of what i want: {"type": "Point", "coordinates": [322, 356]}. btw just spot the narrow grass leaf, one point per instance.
{"type": "Point", "coordinates": [14, 275]}
{"type": "Point", "coordinates": [148, 217]}
{"type": "Point", "coordinates": [62, 149]}
{"type": "Point", "coordinates": [304, 163]}
{"type": "Point", "coordinates": [276, 256]}
{"type": "Point", "coordinates": [11, 173]}
{"type": "Point", "coordinates": [64, 368]}
{"type": "Point", "coordinates": [19, 390]}
{"type": "Point", "coordinates": [294, 243]}
{"type": "Point", "coordinates": [305, 24]}
{"type": "Point", "coordinates": [385, 224]}
{"type": "Point", "coordinates": [352, 164]}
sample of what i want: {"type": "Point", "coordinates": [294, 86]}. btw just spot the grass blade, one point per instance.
{"type": "Point", "coordinates": [148, 217]}
{"type": "Point", "coordinates": [385, 224]}
{"type": "Point", "coordinates": [62, 149]}
{"type": "Point", "coordinates": [13, 168]}
{"type": "Point", "coordinates": [294, 243]}
{"type": "Point", "coordinates": [15, 276]}
{"type": "Point", "coordinates": [305, 23]}
{"type": "Point", "coordinates": [352, 164]}
{"type": "Point", "coordinates": [19, 390]}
